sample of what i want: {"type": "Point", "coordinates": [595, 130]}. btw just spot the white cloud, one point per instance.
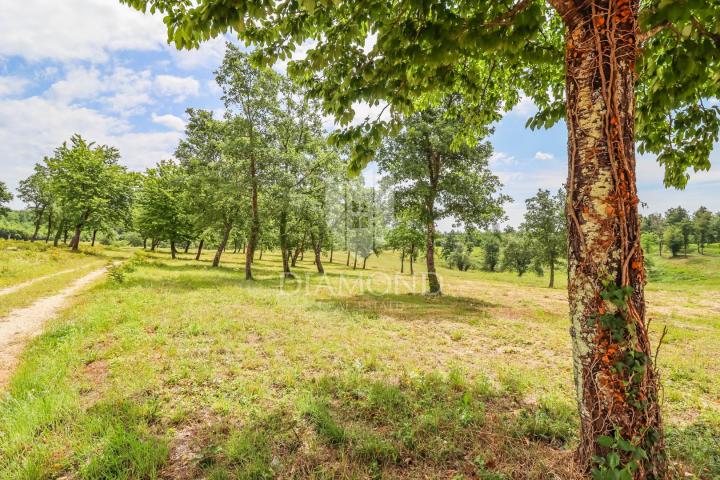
{"type": "Point", "coordinates": [525, 108]}
{"type": "Point", "coordinates": [213, 88]}
{"type": "Point", "coordinates": [66, 30]}
{"type": "Point", "coordinates": [208, 57]}
{"type": "Point", "coordinates": [32, 128]}
{"type": "Point", "coordinates": [502, 158]}
{"type": "Point", "coordinates": [79, 84]}
{"type": "Point", "coordinates": [544, 156]}
{"type": "Point", "coordinates": [171, 121]}
{"type": "Point", "coordinates": [12, 85]}
{"type": "Point", "coordinates": [120, 89]}
{"type": "Point", "coordinates": [178, 87]}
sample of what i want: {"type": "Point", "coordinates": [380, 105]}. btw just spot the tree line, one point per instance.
{"type": "Point", "coordinates": [677, 228]}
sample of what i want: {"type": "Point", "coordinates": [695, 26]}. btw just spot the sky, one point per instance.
{"type": "Point", "coordinates": [98, 68]}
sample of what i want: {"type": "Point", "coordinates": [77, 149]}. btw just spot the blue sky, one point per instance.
{"type": "Point", "coordinates": [100, 69]}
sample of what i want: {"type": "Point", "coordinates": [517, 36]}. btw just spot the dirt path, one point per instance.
{"type": "Point", "coordinates": [20, 286]}
{"type": "Point", "coordinates": [24, 323]}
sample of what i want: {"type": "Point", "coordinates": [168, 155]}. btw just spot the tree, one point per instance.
{"type": "Point", "coordinates": [5, 197]}
{"type": "Point", "coordinates": [674, 239]}
{"type": "Point", "coordinates": [216, 176]}
{"type": "Point", "coordinates": [457, 249]}
{"type": "Point", "coordinates": [680, 218]}
{"type": "Point", "coordinates": [89, 185]}
{"type": "Point", "coordinates": [648, 240]}
{"type": "Point", "coordinates": [436, 174]}
{"type": "Point", "coordinates": [702, 222]}
{"type": "Point", "coordinates": [162, 214]}
{"type": "Point", "coordinates": [250, 93]}
{"type": "Point", "coordinates": [518, 255]}
{"type": "Point", "coordinates": [545, 225]}
{"type": "Point", "coordinates": [491, 257]}
{"type": "Point", "coordinates": [300, 172]}
{"type": "Point", "coordinates": [654, 223]}
{"type": "Point", "coordinates": [407, 236]}
{"type": "Point", "coordinates": [36, 193]}
{"type": "Point", "coordinates": [600, 64]}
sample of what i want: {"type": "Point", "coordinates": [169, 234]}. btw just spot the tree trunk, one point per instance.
{"type": "Point", "coordinates": [331, 253]}
{"type": "Point", "coordinates": [187, 247]}
{"type": "Point", "coordinates": [552, 274]}
{"type": "Point", "coordinates": [173, 251]}
{"type": "Point", "coordinates": [254, 222]}
{"type": "Point", "coordinates": [364, 262]}
{"type": "Point", "coordinates": [65, 235]}
{"type": "Point", "coordinates": [58, 234]}
{"type": "Point", "coordinates": [433, 165]}
{"type": "Point", "coordinates": [37, 225]}
{"type": "Point", "coordinates": [433, 282]}
{"type": "Point", "coordinates": [616, 383]}
{"type": "Point", "coordinates": [284, 247]}
{"type": "Point", "coordinates": [355, 262]}
{"type": "Point", "coordinates": [317, 249]}
{"type": "Point", "coordinates": [93, 238]}
{"type": "Point", "coordinates": [261, 253]}
{"type": "Point", "coordinates": [75, 241]}
{"type": "Point", "coordinates": [402, 261]}
{"type": "Point", "coordinates": [411, 261]}
{"type": "Point", "coordinates": [200, 248]}
{"type": "Point", "coordinates": [223, 243]}
{"type": "Point", "coordinates": [299, 248]}
{"type": "Point", "coordinates": [49, 227]}
{"type": "Point", "coordinates": [144, 243]}
{"type": "Point", "coordinates": [347, 262]}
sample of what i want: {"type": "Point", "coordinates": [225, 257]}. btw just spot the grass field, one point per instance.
{"type": "Point", "coordinates": [177, 370]}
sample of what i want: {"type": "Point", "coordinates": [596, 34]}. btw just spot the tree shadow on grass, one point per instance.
{"type": "Point", "coordinates": [416, 307]}
{"type": "Point", "coordinates": [355, 425]}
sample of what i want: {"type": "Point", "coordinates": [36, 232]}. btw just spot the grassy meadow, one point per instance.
{"type": "Point", "coordinates": [173, 369]}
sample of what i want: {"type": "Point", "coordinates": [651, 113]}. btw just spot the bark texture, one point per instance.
{"type": "Point", "coordinates": [616, 383]}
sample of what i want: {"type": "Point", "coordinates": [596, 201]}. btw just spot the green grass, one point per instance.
{"type": "Point", "coordinates": [178, 367]}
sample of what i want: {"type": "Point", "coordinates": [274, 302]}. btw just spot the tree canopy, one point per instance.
{"type": "Point", "coordinates": [489, 51]}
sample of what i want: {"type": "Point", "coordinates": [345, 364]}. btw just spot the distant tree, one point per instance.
{"type": "Point", "coordinates": [162, 213]}
{"type": "Point", "coordinates": [654, 223]}
{"type": "Point", "coordinates": [518, 255]}
{"type": "Point", "coordinates": [648, 240]}
{"type": "Point", "coordinates": [491, 257]}
{"type": "Point", "coordinates": [5, 197]}
{"type": "Point", "coordinates": [36, 192]}
{"type": "Point", "coordinates": [437, 174]}
{"type": "Point", "coordinates": [715, 227]}
{"type": "Point", "coordinates": [679, 217]}
{"type": "Point", "coordinates": [89, 185]}
{"type": "Point", "coordinates": [457, 250]}
{"type": "Point", "coordinates": [674, 239]}
{"type": "Point", "coordinates": [545, 227]}
{"type": "Point", "coordinates": [407, 235]}
{"type": "Point", "coordinates": [702, 226]}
